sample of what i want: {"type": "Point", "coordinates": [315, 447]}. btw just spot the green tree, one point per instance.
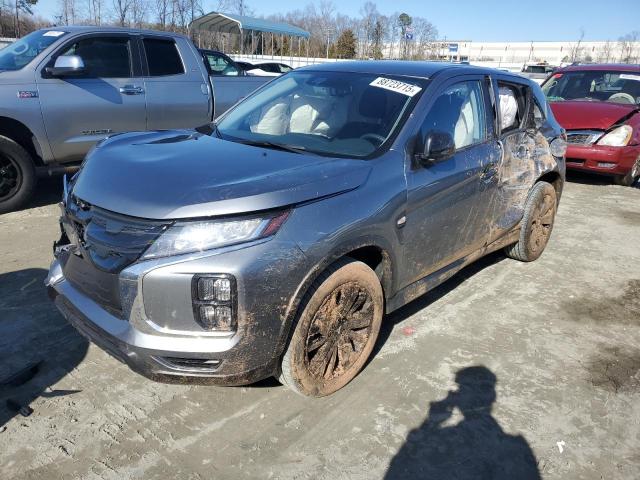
{"type": "Point", "coordinates": [346, 45]}
{"type": "Point", "coordinates": [378, 32]}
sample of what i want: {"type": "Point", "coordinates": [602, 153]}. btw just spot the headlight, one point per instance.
{"type": "Point", "coordinates": [558, 147]}
{"type": "Point", "coordinates": [188, 237]}
{"type": "Point", "coordinates": [618, 137]}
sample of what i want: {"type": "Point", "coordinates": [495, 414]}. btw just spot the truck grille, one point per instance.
{"type": "Point", "coordinates": [583, 137]}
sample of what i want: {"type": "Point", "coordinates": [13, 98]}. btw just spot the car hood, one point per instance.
{"type": "Point", "coordinates": [584, 115]}
{"type": "Point", "coordinates": [184, 174]}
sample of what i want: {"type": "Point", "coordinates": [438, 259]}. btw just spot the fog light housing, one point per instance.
{"type": "Point", "coordinates": [214, 302]}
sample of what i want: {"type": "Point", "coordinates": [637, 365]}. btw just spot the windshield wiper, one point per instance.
{"type": "Point", "coordinates": [208, 129]}
{"type": "Point", "coordinates": [275, 146]}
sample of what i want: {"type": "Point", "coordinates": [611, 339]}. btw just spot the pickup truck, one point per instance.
{"type": "Point", "coordinates": [64, 89]}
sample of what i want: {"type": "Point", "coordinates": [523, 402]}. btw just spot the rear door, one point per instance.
{"type": "Point", "coordinates": [521, 145]}
{"type": "Point", "coordinates": [109, 98]}
{"type": "Point", "coordinates": [447, 202]}
{"type": "Point", "coordinates": [177, 93]}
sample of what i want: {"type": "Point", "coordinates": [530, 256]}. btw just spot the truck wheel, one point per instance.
{"type": "Point", "coordinates": [17, 175]}
{"type": "Point", "coordinates": [336, 330]}
{"type": "Point", "coordinates": [536, 225]}
{"type": "Point", "coordinates": [630, 178]}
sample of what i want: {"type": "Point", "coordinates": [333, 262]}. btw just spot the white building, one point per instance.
{"type": "Point", "coordinates": [515, 54]}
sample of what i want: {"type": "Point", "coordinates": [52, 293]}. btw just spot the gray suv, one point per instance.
{"type": "Point", "coordinates": [273, 242]}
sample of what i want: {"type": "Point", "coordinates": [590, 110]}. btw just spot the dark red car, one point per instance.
{"type": "Point", "coordinates": [599, 106]}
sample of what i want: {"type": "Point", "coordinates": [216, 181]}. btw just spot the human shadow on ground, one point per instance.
{"type": "Point", "coordinates": [37, 346]}
{"type": "Point", "coordinates": [476, 447]}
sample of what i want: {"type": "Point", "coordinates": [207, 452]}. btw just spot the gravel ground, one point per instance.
{"type": "Point", "coordinates": [509, 370]}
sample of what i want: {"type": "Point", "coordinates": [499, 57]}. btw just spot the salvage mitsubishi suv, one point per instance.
{"type": "Point", "coordinates": [273, 242]}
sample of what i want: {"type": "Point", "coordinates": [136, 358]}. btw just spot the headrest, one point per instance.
{"type": "Point", "coordinates": [508, 107]}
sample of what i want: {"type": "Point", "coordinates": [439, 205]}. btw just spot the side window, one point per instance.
{"type": "Point", "coordinates": [513, 106]}
{"type": "Point", "coordinates": [459, 111]}
{"type": "Point", "coordinates": [162, 57]}
{"type": "Point", "coordinates": [218, 65]}
{"type": "Point", "coordinates": [103, 57]}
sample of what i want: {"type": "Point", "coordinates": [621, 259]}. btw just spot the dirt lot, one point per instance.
{"type": "Point", "coordinates": [555, 343]}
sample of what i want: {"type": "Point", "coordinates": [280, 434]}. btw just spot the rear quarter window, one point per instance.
{"type": "Point", "coordinates": [163, 57]}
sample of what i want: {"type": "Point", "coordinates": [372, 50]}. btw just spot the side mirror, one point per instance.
{"type": "Point", "coordinates": [437, 147]}
{"type": "Point", "coordinates": [67, 65]}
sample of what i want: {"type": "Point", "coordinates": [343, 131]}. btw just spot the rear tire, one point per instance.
{"type": "Point", "coordinates": [536, 225]}
{"type": "Point", "coordinates": [630, 178]}
{"type": "Point", "coordinates": [336, 330]}
{"type": "Point", "coordinates": [17, 175]}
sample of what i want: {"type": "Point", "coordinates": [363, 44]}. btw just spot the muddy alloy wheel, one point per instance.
{"type": "Point", "coordinates": [336, 330]}
{"type": "Point", "coordinates": [536, 224]}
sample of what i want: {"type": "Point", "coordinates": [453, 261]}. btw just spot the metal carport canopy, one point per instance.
{"type": "Point", "coordinates": [231, 23]}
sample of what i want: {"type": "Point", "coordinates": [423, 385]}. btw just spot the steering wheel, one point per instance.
{"type": "Point", "coordinates": [374, 138]}
{"type": "Point", "coordinates": [622, 97]}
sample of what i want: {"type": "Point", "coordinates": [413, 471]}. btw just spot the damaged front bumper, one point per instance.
{"type": "Point", "coordinates": [602, 159]}
{"type": "Point", "coordinates": [155, 332]}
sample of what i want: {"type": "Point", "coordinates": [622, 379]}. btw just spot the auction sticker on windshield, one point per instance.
{"type": "Point", "coordinates": [630, 76]}
{"type": "Point", "coordinates": [396, 86]}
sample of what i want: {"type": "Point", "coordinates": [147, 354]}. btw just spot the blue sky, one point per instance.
{"type": "Point", "coordinates": [483, 20]}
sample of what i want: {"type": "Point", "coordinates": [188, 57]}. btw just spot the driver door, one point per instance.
{"type": "Point", "coordinates": [448, 201]}
{"type": "Point", "coordinates": [108, 98]}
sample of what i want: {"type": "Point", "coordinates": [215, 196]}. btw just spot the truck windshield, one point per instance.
{"type": "Point", "coordinates": [343, 114]}
{"type": "Point", "coordinates": [20, 53]}
{"type": "Point", "coordinates": [594, 85]}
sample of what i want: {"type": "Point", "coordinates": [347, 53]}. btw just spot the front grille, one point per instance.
{"type": "Point", "coordinates": [102, 243]}
{"type": "Point", "coordinates": [583, 137]}
{"type": "Point", "coordinates": [109, 240]}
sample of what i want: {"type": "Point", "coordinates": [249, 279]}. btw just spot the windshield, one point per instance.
{"type": "Point", "coordinates": [601, 86]}
{"type": "Point", "coordinates": [20, 53]}
{"type": "Point", "coordinates": [328, 113]}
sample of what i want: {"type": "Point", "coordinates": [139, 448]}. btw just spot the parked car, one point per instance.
{"type": "Point", "coordinates": [266, 69]}
{"type": "Point", "coordinates": [538, 72]}
{"type": "Point", "coordinates": [245, 65]}
{"type": "Point", "coordinates": [599, 106]}
{"type": "Point", "coordinates": [273, 67]}
{"type": "Point", "coordinates": [64, 89]}
{"type": "Point", "coordinates": [274, 244]}
{"type": "Point", "coordinates": [218, 63]}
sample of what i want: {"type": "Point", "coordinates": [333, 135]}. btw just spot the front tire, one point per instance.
{"type": "Point", "coordinates": [336, 330]}
{"type": "Point", "coordinates": [17, 175]}
{"type": "Point", "coordinates": [536, 225]}
{"type": "Point", "coordinates": [631, 177]}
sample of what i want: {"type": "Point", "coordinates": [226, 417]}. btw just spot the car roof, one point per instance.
{"type": "Point", "coordinates": [93, 29]}
{"type": "Point", "coordinates": [419, 69]}
{"type": "Point", "coordinates": [617, 67]}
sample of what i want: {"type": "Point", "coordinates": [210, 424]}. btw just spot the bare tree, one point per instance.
{"type": "Point", "coordinates": [139, 10]}
{"type": "Point", "coordinates": [163, 12]}
{"type": "Point", "coordinates": [628, 45]}
{"type": "Point", "coordinates": [576, 50]}
{"type": "Point", "coordinates": [121, 10]}
{"type": "Point", "coordinates": [606, 52]}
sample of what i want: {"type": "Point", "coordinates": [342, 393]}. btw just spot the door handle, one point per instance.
{"type": "Point", "coordinates": [131, 90]}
